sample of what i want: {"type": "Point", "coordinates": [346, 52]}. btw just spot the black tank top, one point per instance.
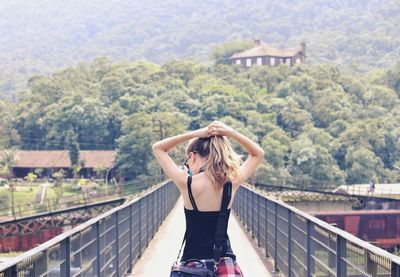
{"type": "Point", "coordinates": [200, 232]}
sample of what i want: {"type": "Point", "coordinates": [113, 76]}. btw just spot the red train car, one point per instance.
{"type": "Point", "coordinates": [28, 241]}
{"type": "Point", "coordinates": [379, 227]}
{"type": "Point", "coordinates": [34, 233]}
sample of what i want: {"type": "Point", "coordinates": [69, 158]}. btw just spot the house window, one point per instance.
{"type": "Point", "coordinates": [281, 61]}
{"type": "Point", "coordinates": [259, 61]}
{"type": "Point", "coordinates": [298, 60]}
{"type": "Point", "coordinates": [238, 61]}
{"type": "Point", "coordinates": [248, 62]}
{"type": "Point", "coordinates": [288, 61]}
{"type": "Point", "coordinates": [272, 61]}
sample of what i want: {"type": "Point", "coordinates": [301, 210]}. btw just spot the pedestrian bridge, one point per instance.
{"type": "Point", "coordinates": [268, 236]}
{"type": "Point", "coordinates": [164, 247]}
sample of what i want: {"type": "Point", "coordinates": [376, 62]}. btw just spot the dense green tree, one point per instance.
{"type": "Point", "coordinates": [8, 135]}
{"type": "Point", "coordinates": [314, 162]}
{"type": "Point", "coordinates": [362, 165]}
{"type": "Point", "coordinates": [267, 174]}
{"type": "Point", "coordinates": [315, 123]}
{"type": "Point", "coordinates": [276, 145]}
{"type": "Point", "coordinates": [140, 131]}
{"type": "Point", "coordinates": [393, 78]}
{"type": "Point", "coordinates": [293, 119]}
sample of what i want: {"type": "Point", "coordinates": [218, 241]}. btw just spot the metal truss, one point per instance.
{"type": "Point", "coordinates": [61, 218]}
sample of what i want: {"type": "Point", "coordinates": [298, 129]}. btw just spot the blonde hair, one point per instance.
{"type": "Point", "coordinates": [222, 163]}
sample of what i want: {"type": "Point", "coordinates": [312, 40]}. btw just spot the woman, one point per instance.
{"type": "Point", "coordinates": [212, 164]}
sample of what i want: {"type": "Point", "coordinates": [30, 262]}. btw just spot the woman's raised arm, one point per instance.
{"type": "Point", "coordinates": [171, 169]}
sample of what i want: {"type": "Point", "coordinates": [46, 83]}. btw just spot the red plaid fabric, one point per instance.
{"type": "Point", "coordinates": [227, 267]}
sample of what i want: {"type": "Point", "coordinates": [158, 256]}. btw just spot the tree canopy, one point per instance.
{"type": "Point", "coordinates": [320, 125]}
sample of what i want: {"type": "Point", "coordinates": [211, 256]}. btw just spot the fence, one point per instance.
{"type": "Point", "coordinates": [107, 245]}
{"type": "Point", "coordinates": [301, 245]}
{"type": "Point", "coordinates": [102, 193]}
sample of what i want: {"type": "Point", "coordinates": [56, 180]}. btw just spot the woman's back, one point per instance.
{"type": "Point", "coordinates": [201, 227]}
{"type": "Point", "coordinates": [207, 197]}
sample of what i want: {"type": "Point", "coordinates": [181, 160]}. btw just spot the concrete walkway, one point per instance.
{"type": "Point", "coordinates": [163, 249]}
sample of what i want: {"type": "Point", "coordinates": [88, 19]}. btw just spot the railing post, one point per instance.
{"type": "Point", "coordinates": [276, 239]}
{"type": "Point", "coordinates": [258, 220]}
{"type": "Point", "coordinates": [140, 227]}
{"type": "Point", "coordinates": [252, 215]}
{"type": "Point", "coordinates": [332, 245]}
{"type": "Point", "coordinates": [310, 267]}
{"type": "Point", "coordinates": [117, 243]}
{"type": "Point", "coordinates": [169, 192]}
{"type": "Point", "coordinates": [41, 264]}
{"type": "Point", "coordinates": [147, 220]}
{"type": "Point", "coordinates": [162, 202]}
{"type": "Point", "coordinates": [98, 248]}
{"type": "Point", "coordinates": [65, 253]}
{"type": "Point", "coordinates": [159, 207]}
{"type": "Point", "coordinates": [248, 210]}
{"type": "Point", "coordinates": [395, 270]}
{"type": "Point", "coordinates": [340, 253]}
{"type": "Point", "coordinates": [151, 197]}
{"type": "Point", "coordinates": [11, 272]}
{"type": "Point", "coordinates": [243, 198]}
{"type": "Point", "coordinates": [371, 266]}
{"type": "Point", "coordinates": [153, 213]}
{"type": "Point", "coordinates": [266, 227]}
{"type": "Point", "coordinates": [130, 239]}
{"type": "Point", "coordinates": [165, 201]}
{"type": "Point", "coordinates": [245, 209]}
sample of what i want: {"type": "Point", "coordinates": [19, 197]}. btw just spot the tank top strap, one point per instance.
{"type": "Point", "coordinates": [226, 196]}
{"type": "Point", "coordinates": [189, 187]}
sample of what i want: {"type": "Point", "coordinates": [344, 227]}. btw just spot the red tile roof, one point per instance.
{"type": "Point", "coordinates": [60, 159]}
{"type": "Point", "coordinates": [265, 50]}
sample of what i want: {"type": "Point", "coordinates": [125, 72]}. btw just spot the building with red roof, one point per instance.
{"type": "Point", "coordinates": [54, 160]}
{"type": "Point", "coordinates": [265, 55]}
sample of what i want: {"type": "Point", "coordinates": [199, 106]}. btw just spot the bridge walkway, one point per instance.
{"type": "Point", "coordinates": [163, 248]}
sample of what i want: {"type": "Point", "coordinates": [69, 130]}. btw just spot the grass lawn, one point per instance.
{"type": "Point", "coordinates": [24, 198]}
{"type": "Point", "coordinates": [10, 254]}
{"type": "Point", "coordinates": [25, 195]}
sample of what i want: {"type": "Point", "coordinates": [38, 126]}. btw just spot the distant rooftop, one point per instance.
{"type": "Point", "coordinates": [261, 49]}
{"type": "Point", "coordinates": [61, 159]}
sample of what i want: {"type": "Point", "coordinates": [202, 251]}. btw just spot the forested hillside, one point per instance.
{"type": "Point", "coordinates": [319, 125]}
{"type": "Point", "coordinates": [43, 35]}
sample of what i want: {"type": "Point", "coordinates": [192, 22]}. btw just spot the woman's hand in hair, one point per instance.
{"type": "Point", "coordinates": [218, 128]}
{"type": "Point", "coordinates": [202, 133]}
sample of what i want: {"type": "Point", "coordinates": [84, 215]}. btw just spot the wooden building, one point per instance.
{"type": "Point", "coordinates": [265, 55]}
{"type": "Point", "coordinates": [51, 161]}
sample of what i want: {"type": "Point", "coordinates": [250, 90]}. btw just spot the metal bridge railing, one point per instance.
{"type": "Point", "coordinates": [107, 245]}
{"type": "Point", "coordinates": [303, 246]}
